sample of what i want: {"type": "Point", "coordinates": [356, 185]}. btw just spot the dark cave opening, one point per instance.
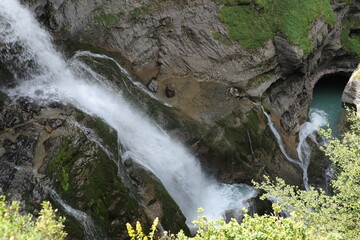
{"type": "Point", "coordinates": [327, 95]}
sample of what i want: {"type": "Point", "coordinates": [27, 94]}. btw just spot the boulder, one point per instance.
{"type": "Point", "coordinates": [235, 92]}
{"type": "Point", "coordinates": [351, 94]}
{"type": "Point", "coordinates": [170, 90]}
{"type": "Point", "coordinates": [56, 123]}
{"type": "Point", "coordinates": [153, 85]}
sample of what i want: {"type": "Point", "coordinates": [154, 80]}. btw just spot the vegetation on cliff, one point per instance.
{"type": "Point", "coordinates": [14, 225]}
{"type": "Point", "coordinates": [312, 214]}
{"type": "Point", "coordinates": [350, 36]}
{"type": "Point", "coordinates": [254, 22]}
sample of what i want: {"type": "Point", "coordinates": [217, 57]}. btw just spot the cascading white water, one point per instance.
{"type": "Point", "coordinates": [307, 130]}
{"type": "Point", "coordinates": [90, 230]}
{"type": "Point", "coordinates": [72, 82]}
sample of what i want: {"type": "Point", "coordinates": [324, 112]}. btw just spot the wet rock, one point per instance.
{"type": "Point", "coordinates": [4, 99]}
{"type": "Point", "coordinates": [170, 90]}
{"type": "Point", "coordinates": [12, 118]}
{"type": "Point", "coordinates": [28, 106]}
{"type": "Point", "coordinates": [318, 168]}
{"type": "Point", "coordinates": [19, 152]}
{"type": "Point", "coordinates": [54, 104]}
{"type": "Point", "coordinates": [26, 144]}
{"type": "Point", "coordinates": [39, 92]}
{"type": "Point", "coordinates": [7, 173]}
{"type": "Point", "coordinates": [15, 162]}
{"type": "Point", "coordinates": [56, 123]}
{"type": "Point", "coordinates": [153, 85]}
{"type": "Point", "coordinates": [152, 194]}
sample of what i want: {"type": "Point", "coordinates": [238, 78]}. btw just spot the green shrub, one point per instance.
{"type": "Point", "coordinates": [351, 42]}
{"type": "Point", "coordinates": [13, 225]}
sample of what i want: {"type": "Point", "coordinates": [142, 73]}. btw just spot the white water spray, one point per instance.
{"type": "Point", "coordinates": [307, 130]}
{"type": "Point", "coordinates": [90, 230]}
{"type": "Point", "coordinates": [74, 83]}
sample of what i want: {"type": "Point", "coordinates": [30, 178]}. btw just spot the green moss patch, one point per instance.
{"type": "Point", "coordinates": [88, 181]}
{"type": "Point", "coordinates": [351, 41]}
{"type": "Point", "coordinates": [104, 194]}
{"type": "Point", "coordinates": [252, 25]}
{"type": "Point", "coordinates": [105, 132]}
{"type": "Point", "coordinates": [105, 18]}
{"type": "Point", "coordinates": [61, 165]}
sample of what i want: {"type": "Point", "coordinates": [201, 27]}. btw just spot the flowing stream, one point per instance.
{"type": "Point", "coordinates": [318, 118]}
{"type": "Point", "coordinates": [91, 232]}
{"type": "Point", "coordinates": [43, 74]}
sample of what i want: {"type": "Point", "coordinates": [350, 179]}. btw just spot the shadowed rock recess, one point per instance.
{"type": "Point", "coordinates": [206, 88]}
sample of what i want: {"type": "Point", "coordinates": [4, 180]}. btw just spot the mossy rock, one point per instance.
{"type": "Point", "coordinates": [88, 180]}
{"type": "Point", "coordinates": [106, 133]}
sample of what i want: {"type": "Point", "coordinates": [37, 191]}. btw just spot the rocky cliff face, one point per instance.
{"type": "Point", "coordinates": [291, 95]}
{"type": "Point", "coordinates": [351, 95]}
{"type": "Point", "coordinates": [172, 39]}
{"type": "Point", "coordinates": [160, 38]}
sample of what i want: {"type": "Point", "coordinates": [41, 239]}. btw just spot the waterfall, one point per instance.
{"type": "Point", "coordinates": [49, 77]}
{"type": "Point", "coordinates": [90, 230]}
{"type": "Point", "coordinates": [307, 130]}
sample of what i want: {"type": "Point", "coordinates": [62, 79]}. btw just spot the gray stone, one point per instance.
{"type": "Point", "coordinates": [170, 90]}
{"type": "Point", "coordinates": [153, 85]}
{"type": "Point", "coordinates": [351, 94]}
{"type": "Point", "coordinates": [234, 91]}
{"type": "Point", "coordinates": [290, 56]}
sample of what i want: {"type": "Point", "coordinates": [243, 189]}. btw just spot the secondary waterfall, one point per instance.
{"type": "Point", "coordinates": [43, 74]}
{"type": "Point", "coordinates": [318, 118]}
{"type": "Point", "coordinates": [308, 130]}
{"type": "Point", "coordinates": [90, 230]}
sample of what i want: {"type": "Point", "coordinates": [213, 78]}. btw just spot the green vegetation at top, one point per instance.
{"type": "Point", "coordinates": [14, 225]}
{"type": "Point", "coordinates": [313, 214]}
{"type": "Point", "coordinates": [253, 23]}
{"type": "Point", "coordinates": [351, 41]}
